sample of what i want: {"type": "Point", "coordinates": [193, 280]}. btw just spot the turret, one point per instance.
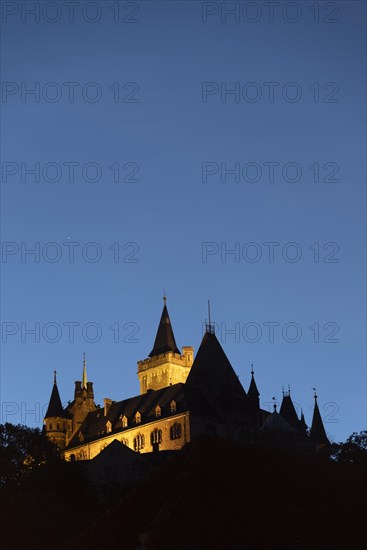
{"type": "Point", "coordinates": [165, 365]}
{"type": "Point", "coordinates": [58, 424]}
{"type": "Point", "coordinates": [253, 393]}
{"type": "Point", "coordinates": [317, 432]}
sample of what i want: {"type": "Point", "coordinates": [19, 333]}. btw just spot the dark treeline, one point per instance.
{"type": "Point", "coordinates": [214, 494]}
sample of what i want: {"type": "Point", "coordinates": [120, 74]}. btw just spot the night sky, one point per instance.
{"type": "Point", "coordinates": [211, 150]}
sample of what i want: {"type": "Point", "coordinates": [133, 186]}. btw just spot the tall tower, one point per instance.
{"type": "Point", "coordinates": [83, 399]}
{"type": "Point", "coordinates": [57, 421]}
{"type": "Point", "coordinates": [165, 364]}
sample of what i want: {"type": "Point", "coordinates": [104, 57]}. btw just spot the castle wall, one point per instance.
{"type": "Point", "coordinates": [87, 451]}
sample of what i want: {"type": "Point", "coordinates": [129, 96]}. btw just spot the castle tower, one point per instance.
{"type": "Point", "coordinates": [57, 421]}
{"type": "Point", "coordinates": [83, 399]}
{"type": "Point", "coordinates": [317, 432]}
{"type": "Point", "coordinates": [165, 364]}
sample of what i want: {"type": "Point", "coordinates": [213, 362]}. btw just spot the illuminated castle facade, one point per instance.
{"type": "Point", "coordinates": [181, 397]}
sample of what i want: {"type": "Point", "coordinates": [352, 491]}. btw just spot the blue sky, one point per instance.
{"type": "Point", "coordinates": [173, 132]}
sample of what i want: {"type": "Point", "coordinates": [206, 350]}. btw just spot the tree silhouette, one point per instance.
{"type": "Point", "coordinates": [21, 450]}
{"type": "Point", "coordinates": [353, 450]}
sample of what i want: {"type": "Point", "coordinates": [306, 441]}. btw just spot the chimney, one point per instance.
{"type": "Point", "coordinates": [107, 405]}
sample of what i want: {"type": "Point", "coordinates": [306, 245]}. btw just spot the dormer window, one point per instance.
{"type": "Point", "coordinates": [109, 426]}
{"type": "Point", "coordinates": [173, 406]}
{"type": "Point", "coordinates": [138, 418]}
{"type": "Point", "coordinates": [124, 421]}
{"type": "Point", "coordinates": [81, 437]}
{"type": "Point", "coordinates": [158, 411]}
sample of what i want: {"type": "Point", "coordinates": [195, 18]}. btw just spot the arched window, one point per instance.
{"type": "Point", "coordinates": [50, 426]}
{"type": "Point", "coordinates": [158, 411]}
{"type": "Point", "coordinates": [139, 442]}
{"type": "Point", "coordinates": [124, 441]}
{"type": "Point", "coordinates": [109, 427]}
{"type": "Point", "coordinates": [138, 418]}
{"type": "Point", "coordinates": [124, 422]}
{"type": "Point", "coordinates": [156, 436]}
{"type": "Point", "coordinates": [176, 431]}
{"type": "Point", "coordinates": [173, 406]}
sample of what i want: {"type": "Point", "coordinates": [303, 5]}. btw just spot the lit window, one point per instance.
{"type": "Point", "coordinates": [156, 436]}
{"type": "Point", "coordinates": [175, 431]}
{"type": "Point", "coordinates": [173, 406]}
{"type": "Point", "coordinates": [124, 422]}
{"type": "Point", "coordinates": [158, 411]}
{"type": "Point", "coordinates": [138, 417]}
{"type": "Point", "coordinates": [139, 441]}
{"type": "Point", "coordinates": [108, 427]}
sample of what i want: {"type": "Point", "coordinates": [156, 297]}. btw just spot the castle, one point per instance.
{"type": "Point", "coordinates": [181, 397]}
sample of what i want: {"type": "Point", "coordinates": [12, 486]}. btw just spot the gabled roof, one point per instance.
{"type": "Point", "coordinates": [212, 372]}
{"type": "Point", "coordinates": [288, 412]}
{"type": "Point", "coordinates": [317, 432]}
{"type": "Point", "coordinates": [55, 408]}
{"type": "Point", "coordinates": [165, 339]}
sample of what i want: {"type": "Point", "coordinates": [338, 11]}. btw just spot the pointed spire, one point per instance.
{"type": "Point", "coordinates": [252, 390]}
{"type": "Point", "coordinates": [55, 408]}
{"type": "Point", "coordinates": [317, 432]}
{"type": "Point", "coordinates": [165, 339]}
{"type": "Point", "coordinates": [84, 379]}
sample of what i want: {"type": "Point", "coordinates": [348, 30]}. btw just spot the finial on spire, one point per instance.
{"type": "Point", "coordinates": [275, 405]}
{"type": "Point", "coordinates": [55, 372]}
{"type": "Point", "coordinates": [289, 389]}
{"type": "Point", "coordinates": [252, 369]}
{"type": "Point", "coordinates": [209, 327]}
{"type": "Point", "coordinates": [315, 394]}
{"type": "Point", "coordinates": [283, 390]}
{"type": "Point", "coordinates": [164, 297]}
{"type": "Point", "coordinates": [84, 379]}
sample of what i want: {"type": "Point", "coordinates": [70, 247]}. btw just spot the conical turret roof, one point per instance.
{"type": "Point", "coordinates": [165, 339]}
{"type": "Point", "coordinates": [55, 408]}
{"type": "Point", "coordinates": [317, 432]}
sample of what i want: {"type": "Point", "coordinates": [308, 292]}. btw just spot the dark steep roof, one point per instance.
{"type": "Point", "coordinates": [187, 399]}
{"type": "Point", "coordinates": [317, 432]}
{"type": "Point", "coordinates": [253, 391]}
{"type": "Point", "coordinates": [212, 372]}
{"type": "Point", "coordinates": [55, 408]}
{"type": "Point", "coordinates": [288, 412]}
{"type": "Point", "coordinates": [165, 339]}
